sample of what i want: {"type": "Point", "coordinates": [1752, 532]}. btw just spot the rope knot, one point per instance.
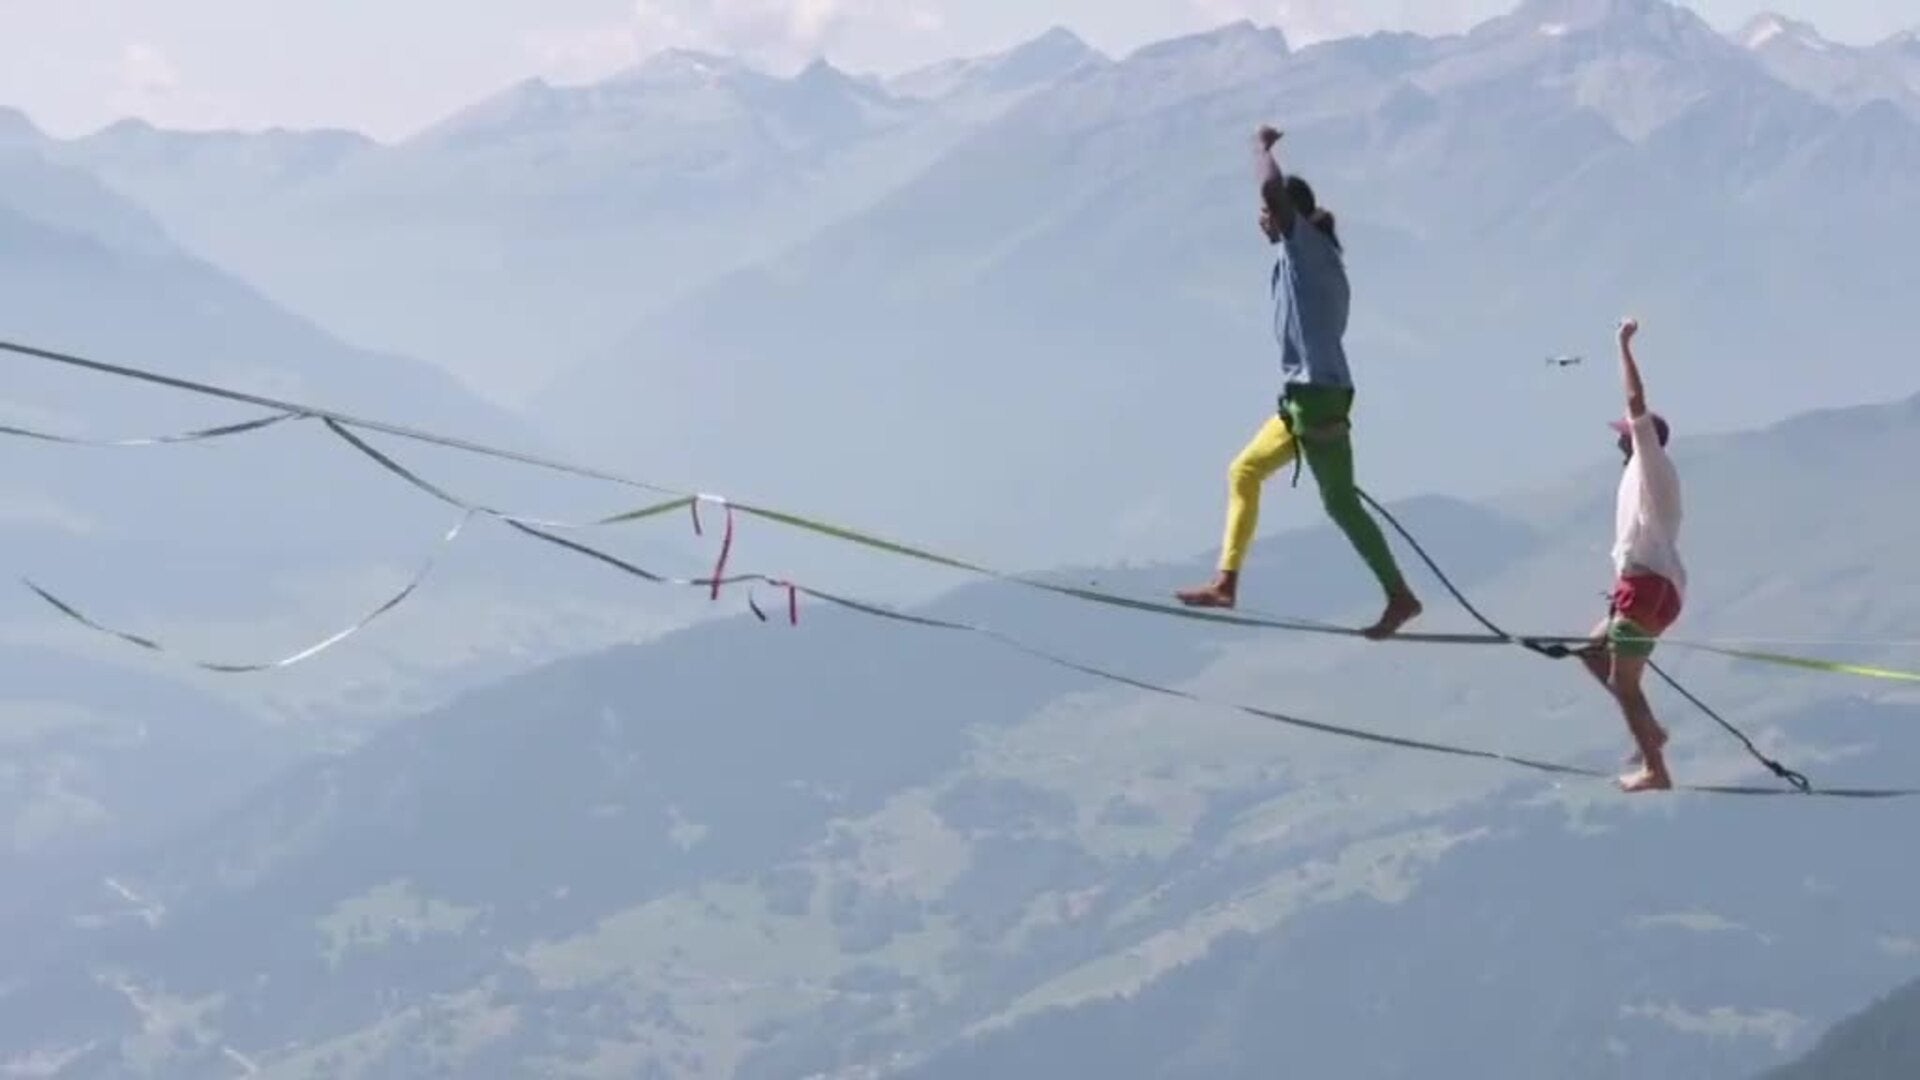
{"type": "Point", "coordinates": [1798, 780]}
{"type": "Point", "coordinates": [1553, 650]}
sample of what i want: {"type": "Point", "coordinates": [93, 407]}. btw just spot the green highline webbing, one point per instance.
{"type": "Point", "coordinates": [470, 510]}
{"type": "Point", "coordinates": [1800, 786]}
{"type": "Point", "coordinates": [876, 542]}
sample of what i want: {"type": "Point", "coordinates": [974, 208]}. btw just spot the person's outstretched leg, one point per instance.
{"type": "Point", "coordinates": [1320, 421]}
{"type": "Point", "coordinates": [1644, 606]}
{"type": "Point", "coordinates": [1647, 732]}
{"type": "Point", "coordinates": [1272, 447]}
{"type": "Point", "coordinates": [1597, 658]}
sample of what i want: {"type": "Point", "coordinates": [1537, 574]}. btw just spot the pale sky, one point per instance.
{"type": "Point", "coordinates": [390, 67]}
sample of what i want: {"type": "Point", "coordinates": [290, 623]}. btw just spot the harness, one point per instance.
{"type": "Point", "coordinates": [1286, 417]}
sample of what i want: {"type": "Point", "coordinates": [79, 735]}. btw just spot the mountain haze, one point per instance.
{"type": "Point", "coordinates": [1093, 269]}
{"type": "Point", "coordinates": [546, 819]}
{"type": "Point", "coordinates": [535, 226]}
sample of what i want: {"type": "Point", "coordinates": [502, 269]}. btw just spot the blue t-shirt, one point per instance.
{"type": "Point", "coordinates": [1310, 296]}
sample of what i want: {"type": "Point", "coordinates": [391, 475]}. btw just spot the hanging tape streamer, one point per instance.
{"type": "Point", "coordinates": [726, 552]}
{"type": "Point", "coordinates": [198, 435]}
{"type": "Point", "coordinates": [309, 652]}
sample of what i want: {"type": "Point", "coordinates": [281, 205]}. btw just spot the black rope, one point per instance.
{"type": "Point", "coordinates": [1008, 641]}
{"type": "Point", "coordinates": [1361, 734]}
{"type": "Point", "coordinates": [1798, 780]}
{"type": "Point", "coordinates": [1558, 651]}
{"type": "Point", "coordinates": [1555, 649]}
{"type": "Point", "coordinates": [338, 422]}
{"type": "Point", "coordinates": [1550, 647]}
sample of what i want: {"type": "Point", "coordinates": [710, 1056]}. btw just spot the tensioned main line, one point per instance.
{"type": "Point", "coordinates": [296, 410]}
{"type": "Point", "coordinates": [338, 423]}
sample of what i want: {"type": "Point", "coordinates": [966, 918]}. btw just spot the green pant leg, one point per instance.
{"type": "Point", "coordinates": [1329, 454]}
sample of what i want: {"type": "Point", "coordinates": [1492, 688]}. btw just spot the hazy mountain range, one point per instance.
{"type": "Point", "coordinates": [1010, 306]}
{"type": "Point", "coordinates": [538, 225]}
{"type": "Point", "coordinates": [1093, 270]}
{"type": "Point", "coordinates": [688, 266]}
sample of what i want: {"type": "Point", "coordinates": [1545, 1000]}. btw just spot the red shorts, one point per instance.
{"type": "Point", "coordinates": [1649, 601]}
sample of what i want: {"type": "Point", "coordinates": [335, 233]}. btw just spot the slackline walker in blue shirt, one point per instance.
{"type": "Point", "coordinates": [1310, 300]}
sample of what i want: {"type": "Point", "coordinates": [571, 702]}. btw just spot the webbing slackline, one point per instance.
{"type": "Point", "coordinates": [339, 423]}
{"type": "Point", "coordinates": [1800, 785]}
{"type": "Point", "coordinates": [876, 542]}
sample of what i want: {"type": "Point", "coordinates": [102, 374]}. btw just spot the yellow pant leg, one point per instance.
{"type": "Point", "coordinates": [1272, 448]}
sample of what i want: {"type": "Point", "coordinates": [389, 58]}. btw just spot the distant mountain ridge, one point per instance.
{"type": "Point", "coordinates": [1841, 75]}
{"type": "Point", "coordinates": [534, 226]}
{"type": "Point", "coordinates": [1044, 60]}
{"type": "Point", "coordinates": [514, 251]}
{"type": "Point", "coordinates": [1881, 1042]}
{"type": "Point", "coordinates": [1505, 195]}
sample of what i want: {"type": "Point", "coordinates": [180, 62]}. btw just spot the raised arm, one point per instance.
{"type": "Point", "coordinates": [1630, 371]}
{"type": "Point", "coordinates": [1273, 184]}
{"type": "Point", "coordinates": [1660, 493]}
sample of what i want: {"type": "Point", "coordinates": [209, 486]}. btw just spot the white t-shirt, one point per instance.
{"type": "Point", "coordinates": [1647, 516]}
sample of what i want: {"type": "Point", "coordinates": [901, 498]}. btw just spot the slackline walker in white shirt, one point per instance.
{"type": "Point", "coordinates": [1649, 576]}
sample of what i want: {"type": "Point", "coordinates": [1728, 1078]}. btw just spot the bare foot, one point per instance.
{"type": "Point", "coordinates": [1401, 610]}
{"type": "Point", "coordinates": [1210, 596]}
{"type": "Point", "coordinates": [1655, 779]}
{"type": "Point", "coordinates": [1222, 593]}
{"type": "Point", "coordinates": [1639, 756]}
